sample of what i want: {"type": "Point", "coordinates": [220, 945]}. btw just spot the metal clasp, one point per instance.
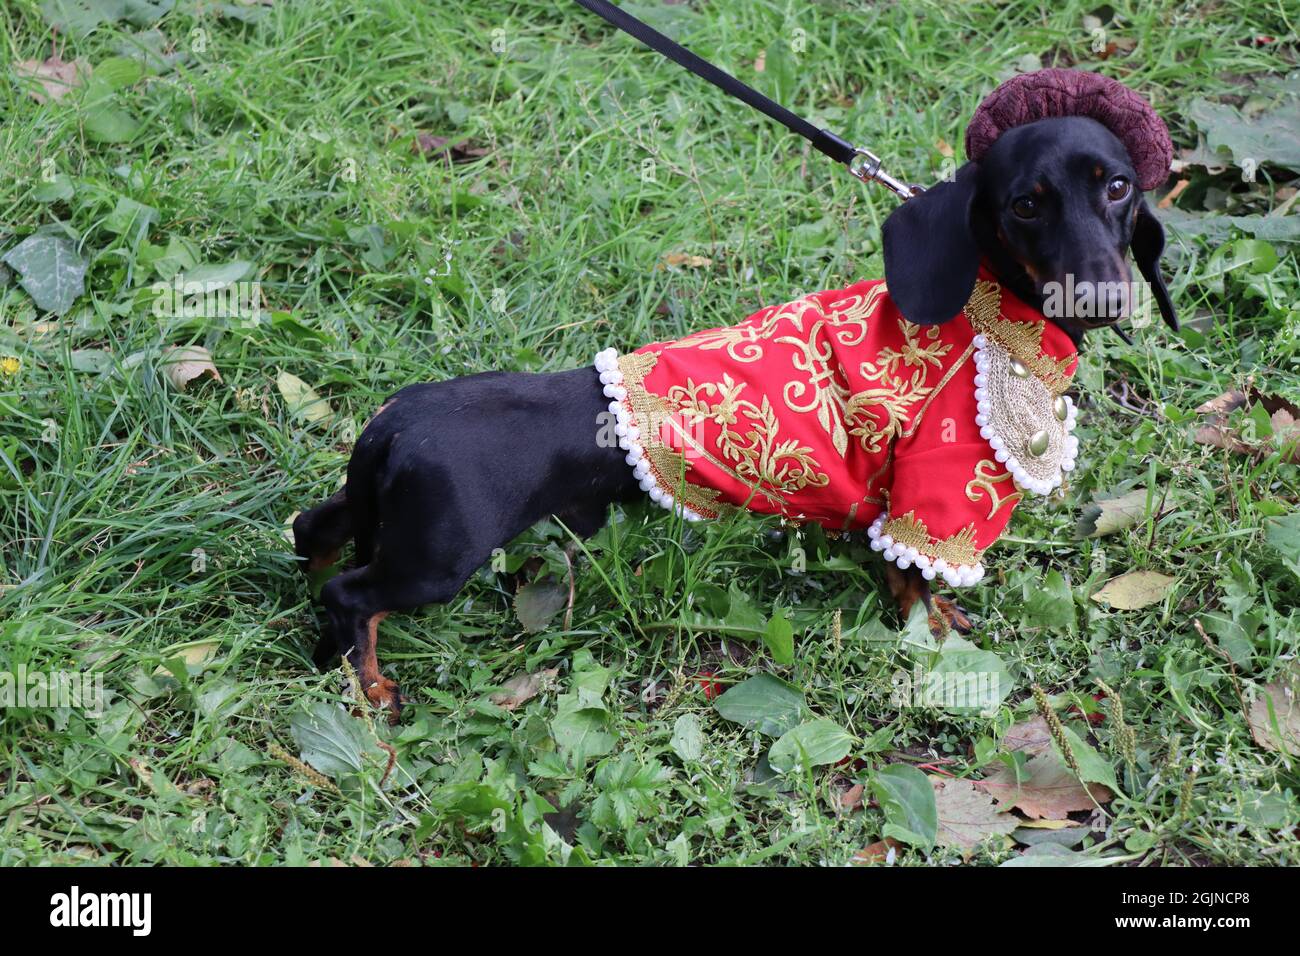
{"type": "Point", "coordinates": [868, 167]}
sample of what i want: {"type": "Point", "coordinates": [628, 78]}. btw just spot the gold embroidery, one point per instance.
{"type": "Point", "coordinates": [1024, 340]}
{"type": "Point", "coordinates": [829, 396]}
{"type": "Point", "coordinates": [894, 396]}
{"type": "Point", "coordinates": [742, 342]}
{"type": "Point", "coordinates": [986, 479]}
{"type": "Point", "coordinates": [849, 315]}
{"type": "Point", "coordinates": [759, 455]}
{"type": "Point", "coordinates": [925, 406]}
{"type": "Point", "coordinates": [909, 531]}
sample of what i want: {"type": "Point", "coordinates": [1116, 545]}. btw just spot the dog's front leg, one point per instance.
{"type": "Point", "coordinates": [909, 586]}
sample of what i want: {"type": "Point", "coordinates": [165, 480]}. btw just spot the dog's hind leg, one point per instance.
{"type": "Point", "coordinates": [320, 533]}
{"type": "Point", "coordinates": [909, 586]}
{"type": "Point", "coordinates": [424, 558]}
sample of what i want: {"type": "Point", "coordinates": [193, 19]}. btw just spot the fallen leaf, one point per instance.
{"type": "Point", "coordinates": [192, 654]}
{"type": "Point", "coordinates": [539, 601]}
{"type": "Point", "coordinates": [1277, 703]}
{"type": "Point", "coordinates": [760, 62]}
{"type": "Point", "coordinates": [1049, 824]}
{"type": "Point", "coordinates": [1093, 717]}
{"type": "Point", "coordinates": [1031, 736]}
{"type": "Point", "coordinates": [677, 260]}
{"type": "Point", "coordinates": [1049, 789]}
{"type": "Point", "coordinates": [1136, 589]}
{"type": "Point", "coordinates": [461, 151]}
{"type": "Point", "coordinates": [688, 738]}
{"type": "Point", "coordinates": [182, 364]}
{"type": "Point", "coordinates": [303, 401]}
{"type": "Point", "coordinates": [55, 76]}
{"type": "Point", "coordinates": [51, 270]}
{"type": "Point", "coordinates": [1107, 515]}
{"type": "Point", "coordinates": [1221, 405]}
{"type": "Point", "coordinates": [1283, 430]}
{"type": "Point", "coordinates": [878, 852]}
{"type": "Point", "coordinates": [523, 687]}
{"type": "Point", "coordinates": [966, 815]}
{"type": "Point", "coordinates": [851, 798]}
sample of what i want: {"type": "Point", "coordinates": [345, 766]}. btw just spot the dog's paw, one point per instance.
{"type": "Point", "coordinates": [386, 695]}
{"type": "Point", "coordinates": [946, 614]}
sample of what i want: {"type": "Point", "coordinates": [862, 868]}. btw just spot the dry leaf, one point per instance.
{"type": "Point", "coordinates": [1049, 790]}
{"type": "Point", "coordinates": [1136, 589]}
{"type": "Point", "coordinates": [851, 798]}
{"type": "Point", "coordinates": [1049, 824]}
{"type": "Point", "coordinates": [182, 364]}
{"type": "Point", "coordinates": [677, 260]}
{"type": "Point", "coordinates": [193, 654]}
{"type": "Point", "coordinates": [966, 815]}
{"type": "Point", "coordinates": [760, 62]}
{"type": "Point", "coordinates": [55, 77]}
{"type": "Point", "coordinates": [1107, 515]}
{"type": "Point", "coordinates": [459, 152]}
{"type": "Point", "coordinates": [877, 852]}
{"type": "Point", "coordinates": [1030, 736]}
{"type": "Point", "coordinates": [303, 401]}
{"type": "Point", "coordinates": [1281, 695]}
{"type": "Point", "coordinates": [522, 688]}
{"type": "Point", "coordinates": [1283, 417]}
{"type": "Point", "coordinates": [944, 148]}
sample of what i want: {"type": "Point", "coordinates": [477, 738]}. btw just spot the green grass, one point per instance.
{"type": "Point", "coordinates": [134, 517]}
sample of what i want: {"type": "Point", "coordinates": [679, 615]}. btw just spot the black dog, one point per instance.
{"type": "Point", "coordinates": [446, 472]}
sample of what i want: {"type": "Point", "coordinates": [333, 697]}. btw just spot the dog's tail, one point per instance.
{"type": "Point", "coordinates": [320, 533]}
{"type": "Point", "coordinates": [351, 513]}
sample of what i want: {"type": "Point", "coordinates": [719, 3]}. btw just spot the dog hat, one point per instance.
{"type": "Point", "coordinates": [1049, 93]}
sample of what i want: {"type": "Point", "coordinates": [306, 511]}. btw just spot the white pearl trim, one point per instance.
{"type": "Point", "coordinates": [957, 575]}
{"type": "Point", "coordinates": [629, 436]}
{"type": "Point", "coordinates": [984, 419]}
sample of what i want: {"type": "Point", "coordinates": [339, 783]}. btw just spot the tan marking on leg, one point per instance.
{"type": "Point", "coordinates": [904, 588]}
{"type": "Point", "coordinates": [951, 613]}
{"type": "Point", "coordinates": [319, 562]}
{"type": "Point", "coordinates": [380, 691]}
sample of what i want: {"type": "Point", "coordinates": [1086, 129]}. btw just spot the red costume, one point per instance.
{"type": "Point", "coordinates": [835, 409]}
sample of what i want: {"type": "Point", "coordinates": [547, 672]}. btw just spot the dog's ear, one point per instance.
{"type": "Point", "coordinates": [931, 256]}
{"type": "Point", "coordinates": [1147, 245]}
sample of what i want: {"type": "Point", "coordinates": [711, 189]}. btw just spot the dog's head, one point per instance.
{"type": "Point", "coordinates": [1054, 207]}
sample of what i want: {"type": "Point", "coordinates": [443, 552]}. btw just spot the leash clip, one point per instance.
{"type": "Point", "coordinates": [868, 167]}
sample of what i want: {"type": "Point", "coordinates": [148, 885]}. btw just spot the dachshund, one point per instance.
{"type": "Point", "coordinates": [446, 472]}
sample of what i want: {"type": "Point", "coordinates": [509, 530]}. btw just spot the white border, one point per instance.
{"type": "Point", "coordinates": [629, 436]}
{"type": "Point", "coordinates": [957, 575]}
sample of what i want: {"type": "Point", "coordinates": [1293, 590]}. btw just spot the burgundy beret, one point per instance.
{"type": "Point", "coordinates": [1048, 93]}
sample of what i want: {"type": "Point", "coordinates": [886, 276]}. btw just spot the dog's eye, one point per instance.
{"type": "Point", "coordinates": [1025, 208]}
{"type": "Point", "coordinates": [1117, 188]}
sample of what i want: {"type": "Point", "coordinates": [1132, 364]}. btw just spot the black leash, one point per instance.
{"type": "Point", "coordinates": [861, 162]}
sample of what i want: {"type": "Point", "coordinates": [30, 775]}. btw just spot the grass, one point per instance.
{"type": "Point", "coordinates": [142, 528]}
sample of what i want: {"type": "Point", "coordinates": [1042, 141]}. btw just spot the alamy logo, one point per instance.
{"type": "Point", "coordinates": [41, 689]}
{"type": "Point", "coordinates": [208, 300]}
{"type": "Point", "coordinates": [133, 910]}
{"type": "Point", "coordinates": [1096, 300]}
